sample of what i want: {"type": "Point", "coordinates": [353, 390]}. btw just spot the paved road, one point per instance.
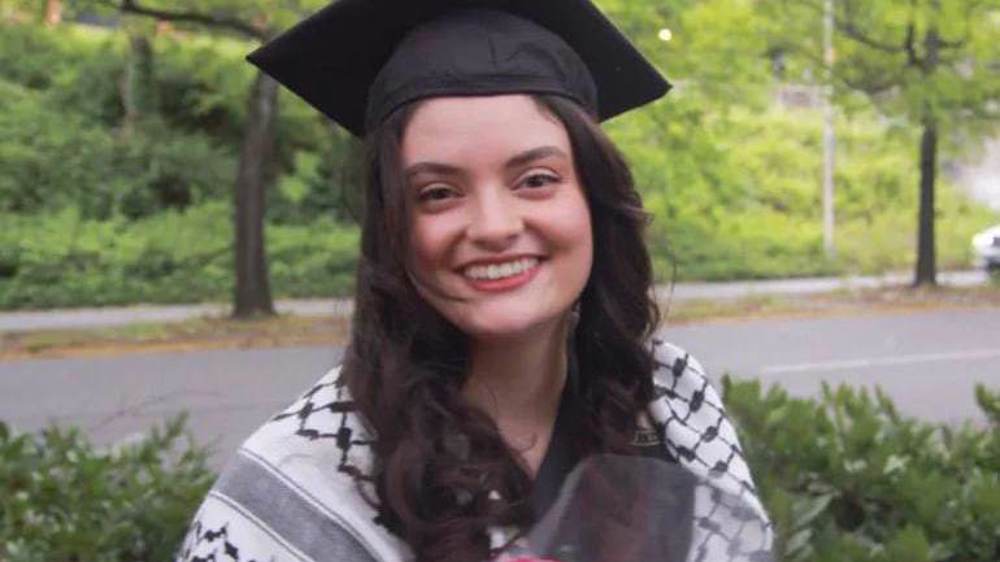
{"type": "Point", "coordinates": [928, 361]}
{"type": "Point", "coordinates": [118, 316]}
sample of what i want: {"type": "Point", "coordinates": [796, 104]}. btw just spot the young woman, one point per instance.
{"type": "Point", "coordinates": [503, 331]}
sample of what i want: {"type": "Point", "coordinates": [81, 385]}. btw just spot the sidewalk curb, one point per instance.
{"type": "Point", "coordinates": [69, 319]}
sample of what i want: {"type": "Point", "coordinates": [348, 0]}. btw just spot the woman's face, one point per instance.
{"type": "Point", "coordinates": [501, 239]}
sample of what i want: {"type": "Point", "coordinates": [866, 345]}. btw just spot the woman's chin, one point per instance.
{"type": "Point", "coordinates": [507, 326]}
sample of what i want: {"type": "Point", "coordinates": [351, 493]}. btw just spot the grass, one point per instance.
{"type": "Point", "coordinates": [289, 331]}
{"type": "Point", "coordinates": [840, 302]}
{"type": "Point", "coordinates": [189, 335]}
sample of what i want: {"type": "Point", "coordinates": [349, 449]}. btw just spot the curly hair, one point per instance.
{"type": "Point", "coordinates": [436, 456]}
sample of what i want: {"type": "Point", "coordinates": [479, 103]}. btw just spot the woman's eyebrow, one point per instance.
{"type": "Point", "coordinates": [432, 168]}
{"type": "Point", "coordinates": [533, 154]}
{"type": "Point", "coordinates": [515, 161]}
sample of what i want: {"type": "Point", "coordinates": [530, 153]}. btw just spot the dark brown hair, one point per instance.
{"type": "Point", "coordinates": [436, 456]}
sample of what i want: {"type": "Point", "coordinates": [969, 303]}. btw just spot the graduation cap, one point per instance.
{"type": "Point", "coordinates": [359, 60]}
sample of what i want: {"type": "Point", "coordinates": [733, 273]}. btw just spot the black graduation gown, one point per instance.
{"type": "Point", "coordinates": [665, 533]}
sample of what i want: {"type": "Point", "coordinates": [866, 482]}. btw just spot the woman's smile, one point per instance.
{"type": "Point", "coordinates": [502, 276]}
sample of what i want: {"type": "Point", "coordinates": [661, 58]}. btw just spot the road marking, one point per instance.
{"type": "Point", "coordinates": [882, 361]}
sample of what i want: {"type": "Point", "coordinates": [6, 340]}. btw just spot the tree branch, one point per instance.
{"type": "Point", "coordinates": [912, 59]}
{"type": "Point", "coordinates": [208, 20]}
{"type": "Point", "coordinates": [849, 28]}
{"type": "Point", "coordinates": [970, 10]}
{"type": "Point", "coordinates": [956, 44]}
{"type": "Point", "coordinates": [869, 88]}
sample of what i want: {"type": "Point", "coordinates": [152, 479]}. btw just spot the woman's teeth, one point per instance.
{"type": "Point", "coordinates": [500, 270]}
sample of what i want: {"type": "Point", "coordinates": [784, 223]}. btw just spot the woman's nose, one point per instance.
{"type": "Point", "coordinates": [495, 222]}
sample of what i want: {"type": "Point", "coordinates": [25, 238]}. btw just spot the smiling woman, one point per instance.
{"type": "Point", "coordinates": [503, 332]}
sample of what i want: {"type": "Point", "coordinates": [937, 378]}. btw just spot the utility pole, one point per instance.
{"type": "Point", "coordinates": [829, 136]}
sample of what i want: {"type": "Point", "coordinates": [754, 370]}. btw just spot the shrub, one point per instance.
{"type": "Point", "coordinates": [203, 84]}
{"type": "Point", "coordinates": [50, 159]}
{"type": "Point", "coordinates": [35, 56]}
{"type": "Point", "coordinates": [847, 478]}
{"type": "Point", "coordinates": [314, 259]}
{"type": "Point", "coordinates": [61, 498]}
{"type": "Point", "coordinates": [63, 259]}
{"type": "Point", "coordinates": [54, 159]}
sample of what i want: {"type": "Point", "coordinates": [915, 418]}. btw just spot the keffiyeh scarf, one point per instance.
{"type": "Point", "coordinates": [281, 499]}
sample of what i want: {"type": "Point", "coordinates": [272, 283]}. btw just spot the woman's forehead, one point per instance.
{"type": "Point", "coordinates": [471, 128]}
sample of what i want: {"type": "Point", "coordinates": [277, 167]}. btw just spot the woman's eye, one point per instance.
{"type": "Point", "coordinates": [439, 193]}
{"type": "Point", "coordinates": [539, 180]}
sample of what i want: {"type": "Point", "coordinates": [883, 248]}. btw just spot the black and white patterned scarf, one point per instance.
{"type": "Point", "coordinates": [278, 500]}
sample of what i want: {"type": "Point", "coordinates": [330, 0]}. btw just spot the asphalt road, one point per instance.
{"type": "Point", "coordinates": [928, 362]}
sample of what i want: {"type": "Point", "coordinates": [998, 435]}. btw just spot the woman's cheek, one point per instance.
{"type": "Point", "coordinates": [431, 243]}
{"type": "Point", "coordinates": [573, 227]}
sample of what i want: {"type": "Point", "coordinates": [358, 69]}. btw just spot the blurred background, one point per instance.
{"type": "Point", "coordinates": [823, 179]}
{"type": "Point", "coordinates": [124, 135]}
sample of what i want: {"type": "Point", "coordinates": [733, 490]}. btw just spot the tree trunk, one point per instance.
{"type": "Point", "coordinates": [253, 292]}
{"type": "Point", "coordinates": [138, 89]}
{"type": "Point", "coordinates": [53, 12]}
{"type": "Point", "coordinates": [926, 272]}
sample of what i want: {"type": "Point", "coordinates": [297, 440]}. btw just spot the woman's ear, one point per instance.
{"type": "Point", "coordinates": [574, 315]}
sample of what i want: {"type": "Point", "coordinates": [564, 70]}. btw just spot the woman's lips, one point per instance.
{"type": "Point", "coordinates": [504, 283]}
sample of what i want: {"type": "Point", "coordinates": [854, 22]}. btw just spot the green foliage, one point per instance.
{"type": "Point", "coordinates": [203, 84]}
{"type": "Point", "coordinates": [264, 16]}
{"type": "Point", "coordinates": [33, 138]}
{"type": "Point", "coordinates": [55, 160]}
{"type": "Point", "coordinates": [61, 498]}
{"type": "Point", "coordinates": [318, 258]}
{"type": "Point", "coordinates": [77, 68]}
{"type": "Point", "coordinates": [715, 52]}
{"type": "Point", "coordinates": [848, 478]}
{"type": "Point", "coordinates": [63, 259]}
{"type": "Point", "coordinates": [62, 134]}
{"type": "Point", "coordinates": [58, 104]}
{"type": "Point", "coordinates": [915, 59]}
{"type": "Point", "coordinates": [736, 195]}
{"type": "Point", "coordinates": [731, 179]}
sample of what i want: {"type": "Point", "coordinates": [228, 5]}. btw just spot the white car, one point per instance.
{"type": "Point", "coordinates": [986, 248]}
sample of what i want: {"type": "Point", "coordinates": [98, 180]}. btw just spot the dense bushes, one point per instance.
{"type": "Point", "coordinates": [63, 499]}
{"type": "Point", "coordinates": [845, 479]}
{"type": "Point", "coordinates": [62, 259]}
{"type": "Point", "coordinates": [55, 160]}
{"type": "Point", "coordinates": [849, 479]}
{"type": "Point", "coordinates": [61, 141]}
{"type": "Point", "coordinates": [94, 212]}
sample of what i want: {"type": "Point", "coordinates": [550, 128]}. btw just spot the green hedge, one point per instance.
{"type": "Point", "coordinates": [63, 259]}
{"type": "Point", "coordinates": [845, 479]}
{"type": "Point", "coordinates": [61, 498]}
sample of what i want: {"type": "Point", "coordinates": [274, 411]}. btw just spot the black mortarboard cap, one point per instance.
{"type": "Point", "coordinates": [358, 60]}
